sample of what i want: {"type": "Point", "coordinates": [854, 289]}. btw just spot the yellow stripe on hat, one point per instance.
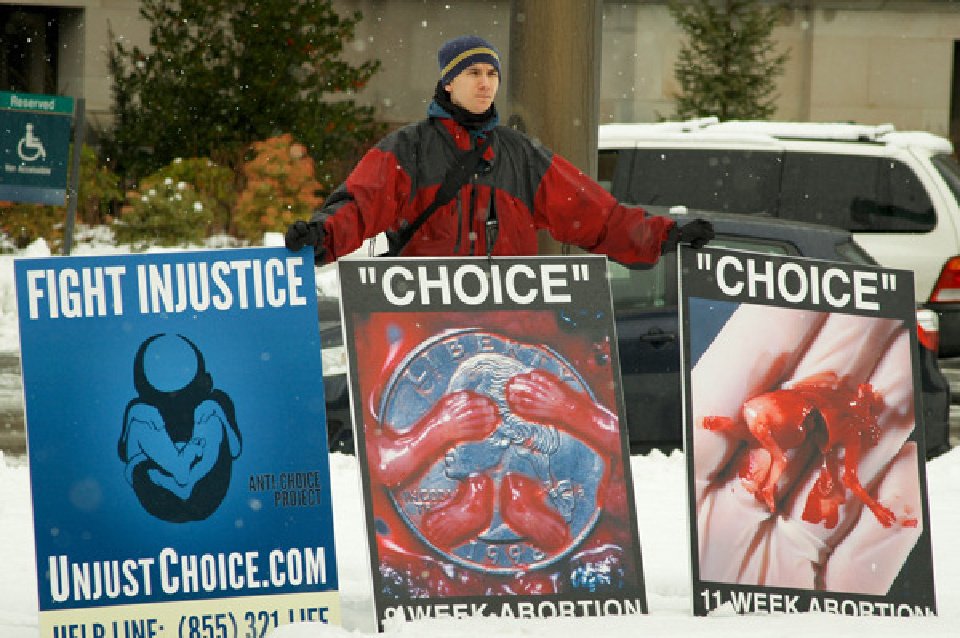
{"type": "Point", "coordinates": [466, 54]}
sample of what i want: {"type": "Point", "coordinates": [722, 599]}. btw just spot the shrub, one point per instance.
{"type": "Point", "coordinates": [164, 212]}
{"type": "Point", "coordinates": [280, 188]}
{"type": "Point", "coordinates": [729, 64]}
{"type": "Point", "coordinates": [22, 224]}
{"type": "Point", "coordinates": [98, 188]}
{"type": "Point", "coordinates": [215, 183]}
{"type": "Point", "coordinates": [221, 74]}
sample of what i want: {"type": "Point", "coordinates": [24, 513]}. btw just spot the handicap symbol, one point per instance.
{"type": "Point", "coordinates": [31, 143]}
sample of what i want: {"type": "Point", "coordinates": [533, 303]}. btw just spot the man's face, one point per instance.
{"type": "Point", "coordinates": [475, 88]}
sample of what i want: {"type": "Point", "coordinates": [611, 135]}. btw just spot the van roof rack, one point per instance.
{"type": "Point", "coordinates": [832, 131]}
{"type": "Point", "coordinates": [763, 132]}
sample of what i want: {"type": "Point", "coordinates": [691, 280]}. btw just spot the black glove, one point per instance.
{"type": "Point", "coordinates": [302, 234]}
{"type": "Point", "coordinates": [696, 233]}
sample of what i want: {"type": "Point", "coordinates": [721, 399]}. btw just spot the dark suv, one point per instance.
{"type": "Point", "coordinates": [645, 308]}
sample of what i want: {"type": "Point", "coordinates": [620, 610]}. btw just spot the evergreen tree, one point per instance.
{"type": "Point", "coordinates": [225, 73]}
{"type": "Point", "coordinates": [727, 67]}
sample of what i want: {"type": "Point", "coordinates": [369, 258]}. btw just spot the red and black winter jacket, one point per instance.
{"type": "Point", "coordinates": [530, 188]}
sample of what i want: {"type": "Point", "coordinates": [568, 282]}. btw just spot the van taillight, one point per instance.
{"type": "Point", "coordinates": [928, 329]}
{"type": "Point", "coordinates": [948, 285]}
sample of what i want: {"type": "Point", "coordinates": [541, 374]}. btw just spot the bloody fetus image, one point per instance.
{"type": "Point", "coordinates": [838, 415]}
{"type": "Point", "coordinates": [805, 472]}
{"type": "Point", "coordinates": [494, 468]}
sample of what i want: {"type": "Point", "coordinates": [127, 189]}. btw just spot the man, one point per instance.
{"type": "Point", "coordinates": [421, 186]}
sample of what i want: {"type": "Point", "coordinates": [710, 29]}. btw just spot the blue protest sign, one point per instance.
{"type": "Point", "coordinates": [177, 443]}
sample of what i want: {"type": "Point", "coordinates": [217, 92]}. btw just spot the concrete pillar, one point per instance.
{"type": "Point", "coordinates": [553, 76]}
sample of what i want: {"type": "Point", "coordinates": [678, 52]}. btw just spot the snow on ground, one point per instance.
{"type": "Point", "coordinates": [660, 497]}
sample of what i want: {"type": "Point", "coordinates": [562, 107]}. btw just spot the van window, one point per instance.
{"type": "Point", "coordinates": [860, 194]}
{"type": "Point", "coordinates": [949, 170]}
{"type": "Point", "coordinates": [707, 179]}
{"type": "Point", "coordinates": [851, 251]}
{"type": "Point", "coordinates": [643, 287]}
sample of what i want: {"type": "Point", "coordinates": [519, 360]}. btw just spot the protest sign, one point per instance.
{"type": "Point", "coordinates": [805, 462]}
{"type": "Point", "coordinates": [177, 443]}
{"type": "Point", "coordinates": [487, 409]}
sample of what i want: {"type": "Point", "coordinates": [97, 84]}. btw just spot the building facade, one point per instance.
{"type": "Point", "coordinates": [868, 61]}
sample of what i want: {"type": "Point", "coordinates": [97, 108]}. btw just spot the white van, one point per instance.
{"type": "Point", "coordinates": [896, 191]}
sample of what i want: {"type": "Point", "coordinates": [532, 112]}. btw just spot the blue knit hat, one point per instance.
{"type": "Point", "coordinates": [457, 54]}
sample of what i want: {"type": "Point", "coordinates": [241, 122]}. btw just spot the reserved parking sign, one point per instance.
{"type": "Point", "coordinates": [34, 147]}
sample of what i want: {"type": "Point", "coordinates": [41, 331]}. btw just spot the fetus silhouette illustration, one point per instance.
{"type": "Point", "coordinates": [180, 435]}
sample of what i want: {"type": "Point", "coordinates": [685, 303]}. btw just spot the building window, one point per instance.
{"type": "Point", "coordinates": [28, 46]}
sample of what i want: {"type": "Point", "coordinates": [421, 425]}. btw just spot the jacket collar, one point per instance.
{"type": "Point", "coordinates": [477, 125]}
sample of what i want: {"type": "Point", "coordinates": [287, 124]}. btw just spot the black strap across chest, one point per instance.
{"type": "Point", "coordinates": [458, 174]}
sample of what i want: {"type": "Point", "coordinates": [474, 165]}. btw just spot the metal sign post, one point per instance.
{"type": "Point", "coordinates": [73, 188]}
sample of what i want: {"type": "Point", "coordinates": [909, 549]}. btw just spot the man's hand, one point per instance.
{"type": "Point", "coordinates": [696, 233]}
{"type": "Point", "coordinates": [302, 234]}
